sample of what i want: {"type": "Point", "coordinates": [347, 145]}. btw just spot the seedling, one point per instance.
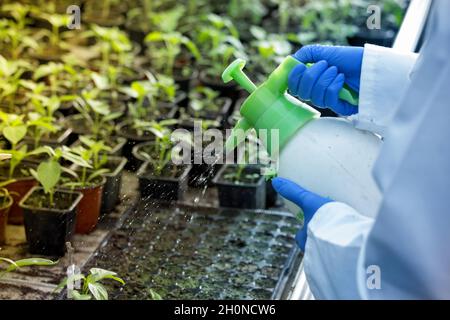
{"type": "Point", "coordinates": [160, 156]}
{"type": "Point", "coordinates": [58, 74]}
{"type": "Point", "coordinates": [40, 126]}
{"type": "Point", "coordinates": [11, 73]}
{"type": "Point", "coordinates": [92, 286]}
{"type": "Point", "coordinates": [97, 114]}
{"type": "Point", "coordinates": [57, 21]}
{"type": "Point", "coordinates": [94, 151]}
{"type": "Point", "coordinates": [270, 49]}
{"type": "Point", "coordinates": [165, 57]}
{"type": "Point", "coordinates": [14, 130]}
{"type": "Point", "coordinates": [219, 43]}
{"type": "Point", "coordinates": [89, 156]}
{"type": "Point", "coordinates": [16, 38]}
{"type": "Point", "coordinates": [112, 40]}
{"type": "Point", "coordinates": [203, 99]}
{"type": "Point", "coordinates": [252, 10]}
{"type": "Point", "coordinates": [48, 173]}
{"type": "Point", "coordinates": [249, 155]}
{"type": "Point", "coordinates": [153, 90]}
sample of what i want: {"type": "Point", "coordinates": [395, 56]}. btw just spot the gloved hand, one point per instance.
{"type": "Point", "coordinates": [321, 83]}
{"type": "Point", "coordinates": [309, 202]}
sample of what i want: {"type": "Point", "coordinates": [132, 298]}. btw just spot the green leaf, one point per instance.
{"type": "Point", "coordinates": [100, 274]}
{"type": "Point", "coordinates": [48, 174]}
{"type": "Point", "coordinates": [154, 295]}
{"type": "Point", "coordinates": [98, 291]}
{"type": "Point", "coordinates": [31, 262]}
{"type": "Point", "coordinates": [77, 296]}
{"type": "Point", "coordinates": [154, 36]}
{"type": "Point", "coordinates": [15, 133]}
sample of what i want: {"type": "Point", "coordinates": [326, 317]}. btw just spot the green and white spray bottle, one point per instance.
{"type": "Point", "coordinates": [328, 156]}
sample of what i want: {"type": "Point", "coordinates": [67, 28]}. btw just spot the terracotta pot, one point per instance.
{"type": "Point", "coordinates": [3, 219]}
{"type": "Point", "coordinates": [88, 210]}
{"type": "Point", "coordinates": [18, 189]}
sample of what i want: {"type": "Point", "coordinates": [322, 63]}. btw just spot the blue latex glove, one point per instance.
{"type": "Point", "coordinates": [309, 202]}
{"type": "Point", "coordinates": [321, 83]}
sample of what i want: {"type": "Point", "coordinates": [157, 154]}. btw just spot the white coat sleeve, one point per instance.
{"type": "Point", "coordinates": [385, 75]}
{"type": "Point", "coordinates": [335, 236]}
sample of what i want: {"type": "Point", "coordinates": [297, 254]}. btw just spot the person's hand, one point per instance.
{"type": "Point", "coordinates": [309, 203]}
{"type": "Point", "coordinates": [321, 83]}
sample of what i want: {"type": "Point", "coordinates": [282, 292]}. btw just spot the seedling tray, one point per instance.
{"type": "Point", "coordinates": [192, 253]}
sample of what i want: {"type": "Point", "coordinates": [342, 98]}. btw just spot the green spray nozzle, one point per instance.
{"type": "Point", "coordinates": [269, 107]}
{"type": "Point", "coordinates": [234, 72]}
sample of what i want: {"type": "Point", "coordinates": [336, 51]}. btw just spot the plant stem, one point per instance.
{"type": "Point", "coordinates": [51, 198]}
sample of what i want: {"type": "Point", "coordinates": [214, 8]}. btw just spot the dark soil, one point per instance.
{"type": "Point", "coordinates": [40, 200]}
{"type": "Point", "coordinates": [180, 254]}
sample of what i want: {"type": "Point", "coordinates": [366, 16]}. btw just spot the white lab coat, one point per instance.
{"type": "Point", "coordinates": [406, 99]}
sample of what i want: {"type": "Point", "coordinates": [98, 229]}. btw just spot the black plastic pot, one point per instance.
{"type": "Point", "coordinates": [136, 157]}
{"type": "Point", "coordinates": [48, 230]}
{"type": "Point", "coordinates": [243, 195]}
{"type": "Point", "coordinates": [271, 195]}
{"type": "Point", "coordinates": [160, 187]}
{"type": "Point", "coordinates": [202, 175]}
{"type": "Point", "coordinates": [125, 131]}
{"type": "Point", "coordinates": [111, 189]}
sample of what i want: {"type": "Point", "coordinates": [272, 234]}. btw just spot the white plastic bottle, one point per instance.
{"type": "Point", "coordinates": [330, 157]}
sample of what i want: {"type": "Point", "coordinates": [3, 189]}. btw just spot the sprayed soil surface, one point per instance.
{"type": "Point", "coordinates": [197, 254]}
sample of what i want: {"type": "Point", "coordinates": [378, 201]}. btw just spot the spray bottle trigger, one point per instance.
{"type": "Point", "coordinates": [237, 137]}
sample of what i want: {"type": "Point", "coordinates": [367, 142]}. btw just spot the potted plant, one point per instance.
{"type": "Point", "coordinates": [101, 159]}
{"type": "Point", "coordinates": [155, 100]}
{"type": "Point", "coordinates": [158, 177]}
{"type": "Point", "coordinates": [116, 49]}
{"type": "Point", "coordinates": [155, 131]}
{"type": "Point", "coordinates": [16, 34]}
{"type": "Point", "coordinates": [241, 186]}
{"type": "Point", "coordinates": [91, 284]}
{"type": "Point", "coordinates": [49, 213]}
{"type": "Point", "coordinates": [170, 59]}
{"type": "Point", "coordinates": [96, 119]}
{"type": "Point", "coordinates": [44, 127]}
{"type": "Point", "coordinates": [89, 182]}
{"type": "Point", "coordinates": [11, 73]}
{"type": "Point", "coordinates": [267, 50]}
{"type": "Point", "coordinates": [14, 128]}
